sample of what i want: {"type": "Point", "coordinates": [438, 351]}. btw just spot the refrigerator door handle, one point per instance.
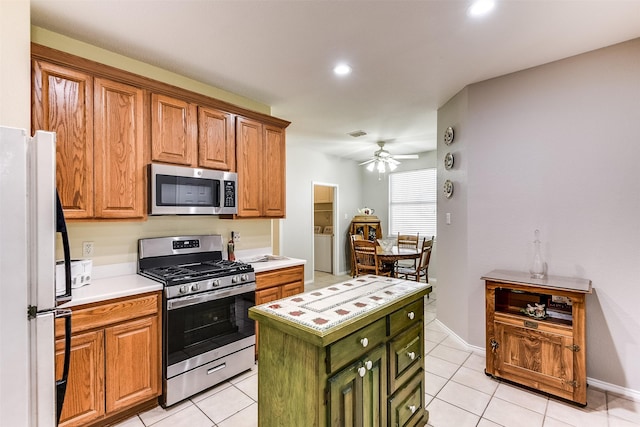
{"type": "Point", "coordinates": [61, 384]}
{"type": "Point", "coordinates": [61, 227]}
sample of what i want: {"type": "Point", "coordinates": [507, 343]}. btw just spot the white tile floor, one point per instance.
{"type": "Point", "coordinates": [458, 394]}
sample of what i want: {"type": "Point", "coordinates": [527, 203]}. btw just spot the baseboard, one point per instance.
{"type": "Point", "coordinates": [601, 385]}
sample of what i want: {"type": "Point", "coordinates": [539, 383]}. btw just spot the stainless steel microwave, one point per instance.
{"type": "Point", "coordinates": [178, 190]}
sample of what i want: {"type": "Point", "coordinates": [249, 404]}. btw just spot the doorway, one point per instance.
{"type": "Point", "coordinates": [325, 227]}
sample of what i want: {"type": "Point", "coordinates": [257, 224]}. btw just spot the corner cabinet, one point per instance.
{"type": "Point", "coordinates": [545, 351]}
{"type": "Point", "coordinates": [115, 360]}
{"type": "Point", "coordinates": [360, 364]}
{"type": "Point", "coordinates": [260, 153]}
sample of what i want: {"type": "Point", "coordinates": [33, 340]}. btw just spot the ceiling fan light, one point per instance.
{"type": "Point", "coordinates": [371, 166]}
{"type": "Point", "coordinates": [381, 167]}
{"type": "Point", "coordinates": [392, 167]}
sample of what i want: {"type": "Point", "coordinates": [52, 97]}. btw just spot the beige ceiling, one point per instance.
{"type": "Point", "coordinates": [408, 57]}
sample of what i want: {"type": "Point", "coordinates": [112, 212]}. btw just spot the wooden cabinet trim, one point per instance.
{"type": "Point", "coordinates": [280, 276]}
{"type": "Point", "coordinates": [103, 70]}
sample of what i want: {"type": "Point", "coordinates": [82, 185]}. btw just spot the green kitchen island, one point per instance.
{"type": "Point", "coordinates": [350, 354]}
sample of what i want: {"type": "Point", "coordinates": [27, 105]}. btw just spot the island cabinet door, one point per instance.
{"type": "Point", "coordinates": [535, 357]}
{"type": "Point", "coordinates": [357, 393]}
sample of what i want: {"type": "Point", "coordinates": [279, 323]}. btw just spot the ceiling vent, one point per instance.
{"type": "Point", "coordinates": [357, 133]}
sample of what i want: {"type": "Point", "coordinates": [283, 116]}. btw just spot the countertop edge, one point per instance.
{"type": "Point", "coordinates": [101, 290]}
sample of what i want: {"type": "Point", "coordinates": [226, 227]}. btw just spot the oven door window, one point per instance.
{"type": "Point", "coordinates": [186, 191]}
{"type": "Point", "coordinates": [199, 328]}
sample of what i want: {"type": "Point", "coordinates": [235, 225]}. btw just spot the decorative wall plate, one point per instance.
{"type": "Point", "coordinates": [448, 135]}
{"type": "Point", "coordinates": [448, 161]}
{"type": "Point", "coordinates": [448, 189]}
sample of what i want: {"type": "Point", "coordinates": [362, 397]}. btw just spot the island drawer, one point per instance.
{"type": "Point", "coordinates": [355, 345]}
{"type": "Point", "coordinates": [411, 314]}
{"type": "Point", "coordinates": [405, 356]}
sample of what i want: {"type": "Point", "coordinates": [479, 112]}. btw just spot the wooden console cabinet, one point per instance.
{"type": "Point", "coordinates": [548, 352]}
{"type": "Point", "coordinates": [318, 368]}
{"type": "Point", "coordinates": [115, 359]}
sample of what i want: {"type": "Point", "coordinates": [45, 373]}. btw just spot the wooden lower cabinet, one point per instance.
{"type": "Point", "coordinates": [367, 373]}
{"type": "Point", "coordinates": [279, 283]}
{"type": "Point", "coordinates": [546, 353]}
{"type": "Point", "coordinates": [115, 359]}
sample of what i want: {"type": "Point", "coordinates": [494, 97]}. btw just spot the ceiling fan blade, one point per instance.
{"type": "Point", "coordinates": [392, 161]}
{"type": "Point", "coordinates": [405, 156]}
{"type": "Point", "coordinates": [367, 162]}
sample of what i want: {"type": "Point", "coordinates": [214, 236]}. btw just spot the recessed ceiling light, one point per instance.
{"type": "Point", "coordinates": [481, 7]}
{"type": "Point", "coordinates": [342, 69]}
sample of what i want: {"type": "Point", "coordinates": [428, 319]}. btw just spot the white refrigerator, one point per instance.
{"type": "Point", "coordinates": [30, 220]}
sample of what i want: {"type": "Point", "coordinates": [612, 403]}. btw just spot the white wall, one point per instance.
{"type": "Point", "coordinates": [305, 166]}
{"type": "Point", "coordinates": [553, 148]}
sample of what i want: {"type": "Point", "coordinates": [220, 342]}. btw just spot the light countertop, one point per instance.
{"type": "Point", "coordinates": [553, 282]}
{"type": "Point", "coordinates": [125, 282]}
{"type": "Point", "coordinates": [112, 287]}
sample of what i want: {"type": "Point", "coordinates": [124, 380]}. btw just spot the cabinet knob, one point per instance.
{"type": "Point", "coordinates": [411, 315]}
{"type": "Point", "coordinates": [368, 364]}
{"type": "Point", "coordinates": [413, 408]}
{"type": "Point", "coordinates": [364, 342]}
{"type": "Point", "coordinates": [362, 371]}
{"type": "Point", "coordinates": [412, 355]}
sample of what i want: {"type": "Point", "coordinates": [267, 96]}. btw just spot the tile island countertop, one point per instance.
{"type": "Point", "coordinates": [321, 314]}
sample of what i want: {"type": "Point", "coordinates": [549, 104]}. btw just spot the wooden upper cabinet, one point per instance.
{"type": "Point", "coordinates": [216, 139]}
{"type": "Point", "coordinates": [249, 146]}
{"type": "Point", "coordinates": [174, 130]}
{"type": "Point", "coordinates": [62, 102]}
{"type": "Point", "coordinates": [273, 203]}
{"type": "Point", "coordinates": [119, 150]}
{"type": "Point", "coordinates": [260, 151]}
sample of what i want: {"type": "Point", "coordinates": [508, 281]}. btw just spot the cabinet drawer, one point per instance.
{"type": "Point", "coordinates": [406, 407]}
{"type": "Point", "coordinates": [405, 356]}
{"type": "Point", "coordinates": [411, 314]}
{"type": "Point", "coordinates": [351, 347]}
{"type": "Point", "coordinates": [120, 310]}
{"type": "Point", "coordinates": [279, 277]}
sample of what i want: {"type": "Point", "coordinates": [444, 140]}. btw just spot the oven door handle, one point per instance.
{"type": "Point", "coordinates": [187, 301]}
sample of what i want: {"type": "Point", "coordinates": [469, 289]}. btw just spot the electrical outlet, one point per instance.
{"type": "Point", "coordinates": [235, 235]}
{"type": "Point", "coordinates": [87, 249]}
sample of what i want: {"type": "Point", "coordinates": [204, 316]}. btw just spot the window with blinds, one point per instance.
{"type": "Point", "coordinates": [412, 202]}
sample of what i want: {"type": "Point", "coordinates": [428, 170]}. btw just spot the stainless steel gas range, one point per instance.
{"type": "Point", "coordinates": [207, 334]}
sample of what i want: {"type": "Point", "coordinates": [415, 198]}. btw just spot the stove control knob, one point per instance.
{"type": "Point", "coordinates": [195, 287]}
{"type": "Point", "coordinates": [216, 283]}
{"type": "Point", "coordinates": [183, 289]}
{"type": "Point", "coordinates": [245, 277]}
{"type": "Point", "coordinates": [235, 279]}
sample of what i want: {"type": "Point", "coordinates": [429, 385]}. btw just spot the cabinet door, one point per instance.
{"type": "Point", "coordinates": [216, 139]}
{"type": "Point", "coordinates": [119, 150]}
{"type": "Point", "coordinates": [62, 102]}
{"type": "Point", "coordinates": [173, 130]}
{"type": "Point", "coordinates": [84, 400]}
{"type": "Point", "coordinates": [535, 358]}
{"type": "Point", "coordinates": [266, 295]}
{"type": "Point", "coordinates": [274, 172]}
{"type": "Point", "coordinates": [249, 164]}
{"type": "Point", "coordinates": [132, 363]}
{"type": "Point", "coordinates": [358, 392]}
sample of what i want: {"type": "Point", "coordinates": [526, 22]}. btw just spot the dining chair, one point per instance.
{"type": "Point", "coordinates": [366, 259]}
{"type": "Point", "coordinates": [422, 268]}
{"type": "Point", "coordinates": [409, 241]}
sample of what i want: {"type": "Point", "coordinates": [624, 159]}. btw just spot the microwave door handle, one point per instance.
{"type": "Point", "coordinates": [61, 384]}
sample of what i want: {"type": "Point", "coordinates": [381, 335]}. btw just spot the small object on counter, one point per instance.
{"type": "Point", "coordinates": [230, 247]}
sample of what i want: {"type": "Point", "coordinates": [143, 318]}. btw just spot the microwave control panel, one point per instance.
{"type": "Point", "coordinates": [229, 194]}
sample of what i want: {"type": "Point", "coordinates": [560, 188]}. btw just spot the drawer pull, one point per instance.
{"type": "Point", "coordinates": [368, 364]}
{"type": "Point", "coordinates": [362, 371]}
{"type": "Point", "coordinates": [413, 408]}
{"type": "Point", "coordinates": [364, 342]}
{"type": "Point", "coordinates": [216, 369]}
{"type": "Point", "coordinates": [412, 355]}
{"type": "Point", "coordinates": [411, 315]}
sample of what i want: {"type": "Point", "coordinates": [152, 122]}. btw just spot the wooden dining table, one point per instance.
{"type": "Point", "coordinates": [397, 253]}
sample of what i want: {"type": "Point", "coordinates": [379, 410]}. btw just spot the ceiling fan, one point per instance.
{"type": "Point", "coordinates": [382, 159]}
